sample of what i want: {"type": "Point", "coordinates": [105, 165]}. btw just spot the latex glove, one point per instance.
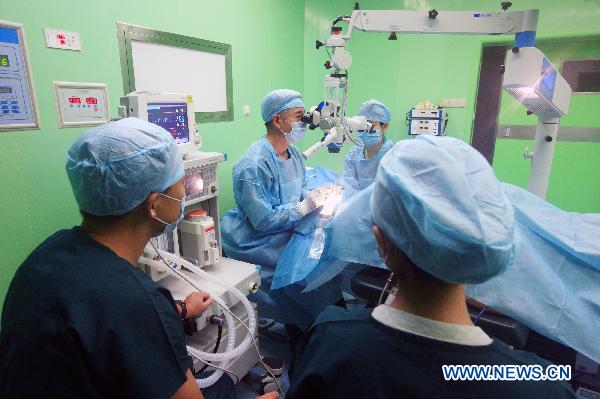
{"type": "Point", "coordinates": [314, 199]}
{"type": "Point", "coordinates": [196, 303]}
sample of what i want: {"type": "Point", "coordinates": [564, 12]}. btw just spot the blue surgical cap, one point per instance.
{"type": "Point", "coordinates": [374, 110]}
{"type": "Point", "coordinates": [438, 200]}
{"type": "Point", "coordinates": [279, 100]}
{"type": "Point", "coordinates": [114, 167]}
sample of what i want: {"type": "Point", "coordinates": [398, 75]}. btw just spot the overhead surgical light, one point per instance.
{"type": "Point", "coordinates": [532, 80]}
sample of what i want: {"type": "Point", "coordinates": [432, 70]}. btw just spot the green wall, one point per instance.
{"type": "Point", "coordinates": [273, 46]}
{"type": "Point", "coordinates": [266, 37]}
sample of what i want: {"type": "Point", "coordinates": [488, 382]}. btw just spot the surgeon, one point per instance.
{"type": "Point", "coordinates": [269, 184]}
{"type": "Point", "coordinates": [361, 162]}
{"type": "Point", "coordinates": [269, 188]}
{"type": "Point", "coordinates": [441, 220]}
{"type": "Point", "coordinates": [80, 320]}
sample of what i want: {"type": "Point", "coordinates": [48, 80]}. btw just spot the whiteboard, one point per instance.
{"type": "Point", "coordinates": [162, 68]}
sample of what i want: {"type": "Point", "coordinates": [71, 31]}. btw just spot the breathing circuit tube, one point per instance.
{"type": "Point", "coordinates": [245, 302]}
{"type": "Point", "coordinates": [230, 352]}
{"type": "Point", "coordinates": [204, 382]}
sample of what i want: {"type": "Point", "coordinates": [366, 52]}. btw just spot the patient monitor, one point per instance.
{"type": "Point", "coordinates": [197, 239]}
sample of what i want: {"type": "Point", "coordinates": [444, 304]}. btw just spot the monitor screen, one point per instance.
{"type": "Point", "coordinates": [172, 117]}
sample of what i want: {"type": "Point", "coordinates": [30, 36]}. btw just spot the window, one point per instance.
{"type": "Point", "coordinates": [163, 62]}
{"type": "Point", "coordinates": [582, 75]}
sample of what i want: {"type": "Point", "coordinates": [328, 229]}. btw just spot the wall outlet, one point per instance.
{"type": "Point", "coordinates": [57, 38]}
{"type": "Point", "coordinates": [246, 110]}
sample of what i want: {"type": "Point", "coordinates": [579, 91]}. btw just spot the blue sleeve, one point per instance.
{"type": "Point", "coordinates": [251, 188]}
{"type": "Point", "coordinates": [324, 368]}
{"type": "Point", "coordinates": [305, 189]}
{"type": "Point", "coordinates": [350, 174]}
{"type": "Point", "coordinates": [153, 351]}
{"type": "Point", "coordinates": [308, 376]}
{"type": "Point", "coordinates": [135, 342]}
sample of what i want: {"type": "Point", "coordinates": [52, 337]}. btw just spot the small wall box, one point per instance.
{"type": "Point", "coordinates": [81, 104]}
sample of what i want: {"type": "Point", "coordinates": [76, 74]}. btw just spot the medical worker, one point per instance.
{"type": "Point", "coordinates": [80, 320]}
{"type": "Point", "coordinates": [361, 162]}
{"type": "Point", "coordinates": [441, 220]}
{"type": "Point", "coordinates": [269, 184]}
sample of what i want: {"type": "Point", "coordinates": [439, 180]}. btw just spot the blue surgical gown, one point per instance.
{"type": "Point", "coordinates": [360, 172]}
{"type": "Point", "coordinates": [266, 190]}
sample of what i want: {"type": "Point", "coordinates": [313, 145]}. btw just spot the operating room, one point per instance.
{"type": "Point", "coordinates": [318, 145]}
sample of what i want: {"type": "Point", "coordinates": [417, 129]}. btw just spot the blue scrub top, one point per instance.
{"type": "Point", "coordinates": [360, 172]}
{"type": "Point", "coordinates": [81, 322]}
{"type": "Point", "coordinates": [267, 190]}
{"type": "Point", "coordinates": [349, 354]}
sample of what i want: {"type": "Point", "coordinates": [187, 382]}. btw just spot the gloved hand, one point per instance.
{"type": "Point", "coordinates": [314, 199]}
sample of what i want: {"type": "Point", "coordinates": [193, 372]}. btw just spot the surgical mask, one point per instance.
{"type": "Point", "coordinates": [297, 133]}
{"type": "Point", "coordinates": [169, 227]}
{"type": "Point", "coordinates": [369, 139]}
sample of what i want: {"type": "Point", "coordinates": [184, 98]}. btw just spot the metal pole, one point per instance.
{"type": "Point", "coordinates": [545, 139]}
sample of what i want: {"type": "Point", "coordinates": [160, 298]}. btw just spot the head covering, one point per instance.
{"type": "Point", "coordinates": [438, 200]}
{"type": "Point", "coordinates": [374, 110]}
{"type": "Point", "coordinates": [114, 167]}
{"type": "Point", "coordinates": [279, 100]}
